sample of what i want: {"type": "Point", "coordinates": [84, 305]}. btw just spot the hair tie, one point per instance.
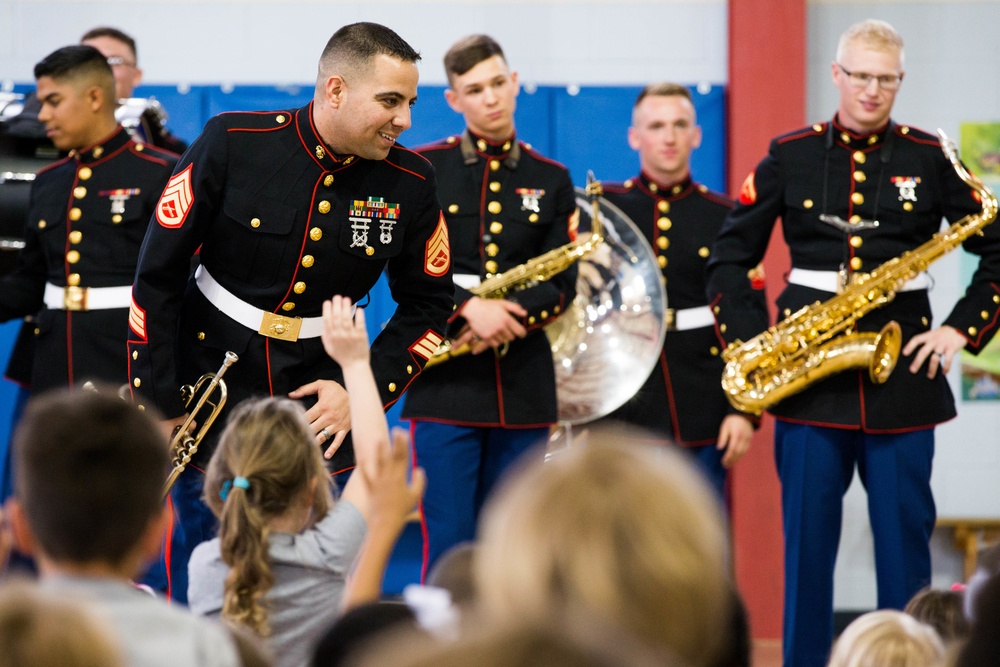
{"type": "Point", "coordinates": [238, 482]}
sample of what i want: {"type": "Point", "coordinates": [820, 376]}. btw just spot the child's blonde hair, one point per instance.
{"type": "Point", "coordinates": [265, 463]}
{"type": "Point", "coordinates": [887, 638]}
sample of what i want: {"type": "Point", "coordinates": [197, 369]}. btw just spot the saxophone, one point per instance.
{"type": "Point", "coordinates": [535, 270]}
{"type": "Point", "coordinates": [818, 340]}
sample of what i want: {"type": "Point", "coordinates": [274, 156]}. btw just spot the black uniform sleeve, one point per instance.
{"type": "Point", "coordinates": [424, 295]}
{"type": "Point", "coordinates": [21, 292]}
{"type": "Point", "coordinates": [740, 310]}
{"type": "Point", "coordinates": [164, 268]}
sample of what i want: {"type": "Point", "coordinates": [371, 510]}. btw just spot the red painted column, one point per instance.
{"type": "Point", "coordinates": [767, 64]}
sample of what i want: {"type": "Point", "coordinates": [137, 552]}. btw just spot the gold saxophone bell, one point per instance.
{"type": "Point", "coordinates": [818, 340]}
{"type": "Point", "coordinates": [184, 445]}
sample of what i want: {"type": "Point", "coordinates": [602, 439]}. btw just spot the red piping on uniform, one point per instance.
{"type": "Point", "coordinates": [302, 248]}
{"type": "Point", "coordinates": [499, 383]}
{"type": "Point", "coordinates": [425, 547]}
{"type": "Point", "coordinates": [267, 357]}
{"type": "Point", "coordinates": [69, 348]}
{"type": "Point", "coordinates": [413, 152]}
{"type": "Point", "coordinates": [458, 422]}
{"type": "Point", "coordinates": [482, 207]}
{"type": "Point", "coordinates": [167, 546]}
{"type": "Point", "coordinates": [670, 396]}
{"type": "Point", "coordinates": [539, 156]}
{"type": "Point", "coordinates": [412, 173]}
{"type": "Point", "coordinates": [805, 133]}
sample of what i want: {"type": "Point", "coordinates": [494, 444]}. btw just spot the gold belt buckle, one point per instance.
{"type": "Point", "coordinates": [75, 298]}
{"type": "Point", "coordinates": [668, 319]}
{"type": "Point", "coordinates": [280, 327]}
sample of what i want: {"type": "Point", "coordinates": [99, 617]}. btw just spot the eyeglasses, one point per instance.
{"type": "Point", "coordinates": [862, 79]}
{"type": "Point", "coordinates": [118, 60]}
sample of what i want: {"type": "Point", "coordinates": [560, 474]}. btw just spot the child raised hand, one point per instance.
{"type": "Point", "coordinates": [345, 337]}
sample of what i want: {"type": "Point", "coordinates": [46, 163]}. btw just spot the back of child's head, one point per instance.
{"type": "Point", "coordinates": [942, 610]}
{"type": "Point", "coordinates": [38, 630]}
{"type": "Point", "coordinates": [454, 572]}
{"type": "Point", "coordinates": [887, 638]}
{"type": "Point", "coordinates": [265, 464]}
{"type": "Point", "coordinates": [89, 474]}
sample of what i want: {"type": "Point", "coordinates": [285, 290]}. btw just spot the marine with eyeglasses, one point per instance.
{"type": "Point", "coordinates": [853, 193]}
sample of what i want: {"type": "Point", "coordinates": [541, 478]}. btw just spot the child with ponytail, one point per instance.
{"type": "Point", "coordinates": [285, 549]}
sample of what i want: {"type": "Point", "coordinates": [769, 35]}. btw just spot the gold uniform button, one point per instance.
{"type": "Point", "coordinates": [494, 207]}
{"type": "Point", "coordinates": [288, 306]}
{"type": "Point", "coordinates": [858, 198]}
{"type": "Point", "coordinates": [307, 260]}
{"type": "Point", "coordinates": [79, 192]}
{"type": "Point", "coordinates": [255, 223]}
{"type": "Point", "coordinates": [494, 165]}
{"type": "Point", "coordinates": [98, 151]}
{"type": "Point", "coordinates": [492, 249]}
{"type": "Point", "coordinates": [996, 298]}
{"type": "Point", "coordinates": [140, 147]}
{"type": "Point", "coordinates": [555, 311]}
{"type": "Point", "coordinates": [452, 139]}
{"type": "Point", "coordinates": [856, 263]}
{"type": "Point", "coordinates": [904, 130]}
{"type": "Point", "coordinates": [716, 310]}
{"type": "Point", "coordinates": [409, 370]}
{"type": "Point", "coordinates": [677, 189]}
{"type": "Point", "coordinates": [137, 382]}
{"type": "Point", "coordinates": [714, 350]}
{"type": "Point", "coordinates": [280, 118]}
{"type": "Point", "coordinates": [663, 261]}
{"type": "Point", "coordinates": [75, 214]}
{"type": "Point", "coordinates": [531, 319]}
{"type": "Point", "coordinates": [73, 279]}
{"type": "Point", "coordinates": [116, 218]}
{"type": "Point", "coordinates": [544, 314]}
{"type": "Point", "coordinates": [856, 241]}
{"type": "Point", "coordinates": [324, 207]}
{"type": "Point", "coordinates": [628, 184]}
{"type": "Point", "coordinates": [923, 320]}
{"type": "Point", "coordinates": [392, 386]}
{"type": "Point", "coordinates": [491, 266]}
{"type": "Point", "coordinates": [663, 243]}
{"type": "Point", "coordinates": [73, 256]}
{"type": "Point", "coordinates": [859, 176]}
{"type": "Point", "coordinates": [201, 335]}
{"type": "Point", "coordinates": [494, 186]}
{"type": "Point", "coordinates": [37, 331]}
{"type": "Point", "coordinates": [653, 187]}
{"type": "Point", "coordinates": [495, 227]}
{"type": "Point", "coordinates": [722, 328]}
{"type": "Point", "coordinates": [481, 145]}
{"type": "Point", "coordinates": [135, 355]}
{"type": "Point", "coordinates": [985, 315]}
{"type": "Point", "coordinates": [369, 251]}
{"type": "Point", "coordinates": [41, 224]}
{"type": "Point", "coordinates": [703, 252]}
{"type": "Point", "coordinates": [75, 236]}
{"type": "Point", "coordinates": [907, 206]}
{"type": "Point", "coordinates": [872, 139]}
{"type": "Point", "coordinates": [349, 160]}
{"type": "Point", "coordinates": [453, 208]}
{"type": "Point", "coordinates": [854, 219]}
{"type": "Point", "coordinates": [84, 173]}
{"type": "Point", "coordinates": [817, 127]}
{"type": "Point", "coordinates": [315, 233]}
{"type": "Point", "coordinates": [664, 223]}
{"type": "Point", "coordinates": [663, 206]}
{"type": "Point", "coordinates": [859, 157]}
{"type": "Point", "coordinates": [506, 146]}
{"type": "Point", "coordinates": [299, 287]}
{"type": "Point", "coordinates": [328, 181]}
{"type": "Point", "coordinates": [845, 137]}
{"type": "Point", "coordinates": [533, 217]}
{"type": "Point", "coordinates": [140, 407]}
{"type": "Point", "coordinates": [973, 331]}
{"type": "Point", "coordinates": [320, 153]}
{"type": "Point", "coordinates": [808, 203]}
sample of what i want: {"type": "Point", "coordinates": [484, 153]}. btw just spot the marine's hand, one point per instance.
{"type": "Point", "coordinates": [491, 323]}
{"type": "Point", "coordinates": [938, 347]}
{"type": "Point", "coordinates": [735, 435]}
{"type": "Point", "coordinates": [331, 416]}
{"type": "Point", "coordinates": [345, 337]}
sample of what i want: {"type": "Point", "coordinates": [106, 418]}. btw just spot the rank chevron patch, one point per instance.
{"type": "Point", "coordinates": [176, 200]}
{"type": "Point", "coordinates": [437, 254]}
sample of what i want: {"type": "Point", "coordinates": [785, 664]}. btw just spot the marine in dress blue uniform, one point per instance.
{"type": "Point", "coordinates": [283, 223]}
{"type": "Point", "coordinates": [861, 166]}
{"type": "Point", "coordinates": [504, 204]}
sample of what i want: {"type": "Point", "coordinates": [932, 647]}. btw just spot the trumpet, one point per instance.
{"type": "Point", "coordinates": [184, 445]}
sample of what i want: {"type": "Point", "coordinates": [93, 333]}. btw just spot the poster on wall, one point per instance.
{"type": "Point", "coordinates": [980, 151]}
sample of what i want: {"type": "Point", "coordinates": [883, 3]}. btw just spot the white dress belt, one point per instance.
{"type": "Point", "coordinates": [268, 324]}
{"type": "Point", "coordinates": [466, 280]}
{"type": "Point", "coordinates": [689, 318]}
{"type": "Point", "coordinates": [829, 281]}
{"type": "Point", "coordinates": [87, 298]}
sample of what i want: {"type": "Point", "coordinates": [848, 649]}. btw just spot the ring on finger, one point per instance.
{"type": "Point", "coordinates": [325, 433]}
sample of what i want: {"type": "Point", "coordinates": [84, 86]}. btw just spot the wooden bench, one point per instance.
{"type": "Point", "coordinates": [971, 535]}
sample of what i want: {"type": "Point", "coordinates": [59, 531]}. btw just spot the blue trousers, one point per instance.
{"type": "Point", "coordinates": [708, 460]}
{"type": "Point", "coordinates": [463, 464]}
{"type": "Point", "coordinates": [816, 465]}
